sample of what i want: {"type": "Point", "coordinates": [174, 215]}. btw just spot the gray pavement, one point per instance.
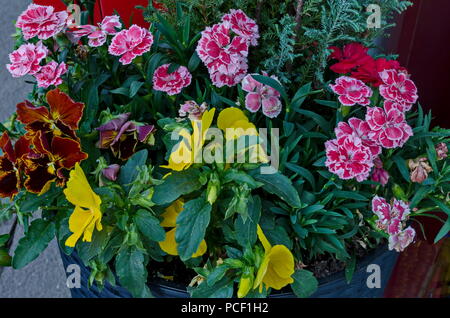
{"type": "Point", "coordinates": [45, 277]}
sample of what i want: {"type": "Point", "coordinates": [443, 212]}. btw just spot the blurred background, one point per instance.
{"type": "Point", "coordinates": [45, 277]}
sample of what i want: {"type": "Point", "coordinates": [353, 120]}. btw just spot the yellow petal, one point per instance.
{"type": "Point", "coordinates": [229, 116]}
{"type": "Point", "coordinates": [79, 192]}
{"type": "Point", "coordinates": [171, 213]}
{"type": "Point", "coordinates": [169, 245]}
{"type": "Point", "coordinates": [263, 239]}
{"type": "Point", "coordinates": [282, 261]}
{"type": "Point", "coordinates": [78, 222]}
{"type": "Point", "coordinates": [182, 157]}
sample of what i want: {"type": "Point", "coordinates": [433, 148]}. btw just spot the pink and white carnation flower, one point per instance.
{"type": "Point", "coordinates": [50, 74]}
{"type": "Point", "coordinates": [41, 21]}
{"type": "Point", "coordinates": [261, 95]}
{"type": "Point", "coordinates": [360, 129]}
{"type": "Point", "coordinates": [130, 43]}
{"type": "Point", "coordinates": [225, 57]}
{"type": "Point", "coordinates": [389, 128]}
{"type": "Point", "coordinates": [390, 217]}
{"type": "Point", "coordinates": [398, 87]}
{"type": "Point", "coordinates": [171, 83]}
{"type": "Point", "coordinates": [403, 107]}
{"type": "Point", "coordinates": [97, 34]}
{"type": "Point", "coordinates": [242, 25]}
{"type": "Point", "coordinates": [402, 240]}
{"type": "Point", "coordinates": [25, 60]}
{"type": "Point", "coordinates": [348, 158]}
{"type": "Point", "coordinates": [352, 91]}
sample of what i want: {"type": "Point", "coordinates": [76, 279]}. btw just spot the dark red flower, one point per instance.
{"type": "Point", "coordinates": [49, 160]}
{"type": "Point", "coordinates": [369, 72]}
{"type": "Point", "coordinates": [61, 119]}
{"type": "Point", "coordinates": [10, 164]}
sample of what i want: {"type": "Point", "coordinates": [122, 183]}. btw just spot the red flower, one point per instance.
{"type": "Point", "coordinates": [131, 43]}
{"type": "Point", "coordinates": [350, 57]}
{"type": "Point", "coordinates": [352, 91]}
{"type": "Point", "coordinates": [41, 21]}
{"type": "Point", "coordinates": [369, 71]}
{"type": "Point", "coordinates": [389, 128]}
{"type": "Point", "coordinates": [62, 118]}
{"type": "Point", "coordinates": [398, 87]}
{"type": "Point", "coordinates": [172, 83]}
{"type": "Point", "coordinates": [348, 158]}
{"type": "Point", "coordinates": [11, 163]}
{"type": "Point", "coordinates": [50, 158]}
{"type": "Point", "coordinates": [357, 128]}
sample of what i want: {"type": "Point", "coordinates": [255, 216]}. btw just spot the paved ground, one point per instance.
{"type": "Point", "coordinates": [44, 277]}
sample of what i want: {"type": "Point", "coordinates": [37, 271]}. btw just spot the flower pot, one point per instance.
{"type": "Point", "coordinates": [333, 286]}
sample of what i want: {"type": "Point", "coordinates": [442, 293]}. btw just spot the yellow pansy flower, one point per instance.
{"type": "Point", "coordinates": [169, 245]}
{"type": "Point", "coordinates": [188, 148]}
{"type": "Point", "coordinates": [87, 215]}
{"type": "Point", "coordinates": [277, 266]}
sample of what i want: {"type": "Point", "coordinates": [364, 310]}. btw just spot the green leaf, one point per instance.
{"type": "Point", "coordinates": [129, 171]}
{"type": "Point", "coordinates": [443, 232]}
{"type": "Point", "coordinates": [132, 272]}
{"type": "Point", "coordinates": [4, 239]}
{"type": "Point", "coordinates": [350, 195]}
{"type": "Point", "coordinates": [301, 95]}
{"type": "Point", "coordinates": [246, 230]}
{"type": "Point", "coordinates": [279, 185]}
{"type": "Point", "coordinates": [35, 241]}
{"type": "Point", "coordinates": [401, 165]}
{"type": "Point", "coordinates": [240, 177]}
{"type": "Point", "coordinates": [176, 185]}
{"type": "Point", "coordinates": [350, 269]}
{"type": "Point", "coordinates": [194, 62]}
{"type": "Point", "coordinates": [302, 172]}
{"type": "Point", "coordinates": [419, 195]}
{"type": "Point", "coordinates": [89, 250]}
{"type": "Point", "coordinates": [134, 88]}
{"type": "Point", "coordinates": [222, 289]}
{"type": "Point", "coordinates": [305, 284]}
{"type": "Point", "coordinates": [149, 226]}
{"type": "Point", "coordinates": [191, 227]}
{"type": "Point", "coordinates": [272, 83]}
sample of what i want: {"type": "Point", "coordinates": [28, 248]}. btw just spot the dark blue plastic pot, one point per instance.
{"type": "Point", "coordinates": [333, 286]}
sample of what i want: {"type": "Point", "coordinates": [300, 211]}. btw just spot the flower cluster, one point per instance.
{"type": "Point", "coordinates": [225, 55]}
{"type": "Point", "coordinates": [391, 220]}
{"type": "Point", "coordinates": [353, 59]}
{"type": "Point", "coordinates": [383, 127]}
{"type": "Point", "coordinates": [48, 149]}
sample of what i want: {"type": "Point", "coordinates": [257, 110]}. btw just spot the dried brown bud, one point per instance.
{"type": "Point", "coordinates": [419, 169]}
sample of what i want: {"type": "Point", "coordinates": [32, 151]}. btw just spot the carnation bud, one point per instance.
{"type": "Point", "coordinates": [399, 193]}
{"type": "Point", "coordinates": [419, 169]}
{"type": "Point", "coordinates": [441, 151]}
